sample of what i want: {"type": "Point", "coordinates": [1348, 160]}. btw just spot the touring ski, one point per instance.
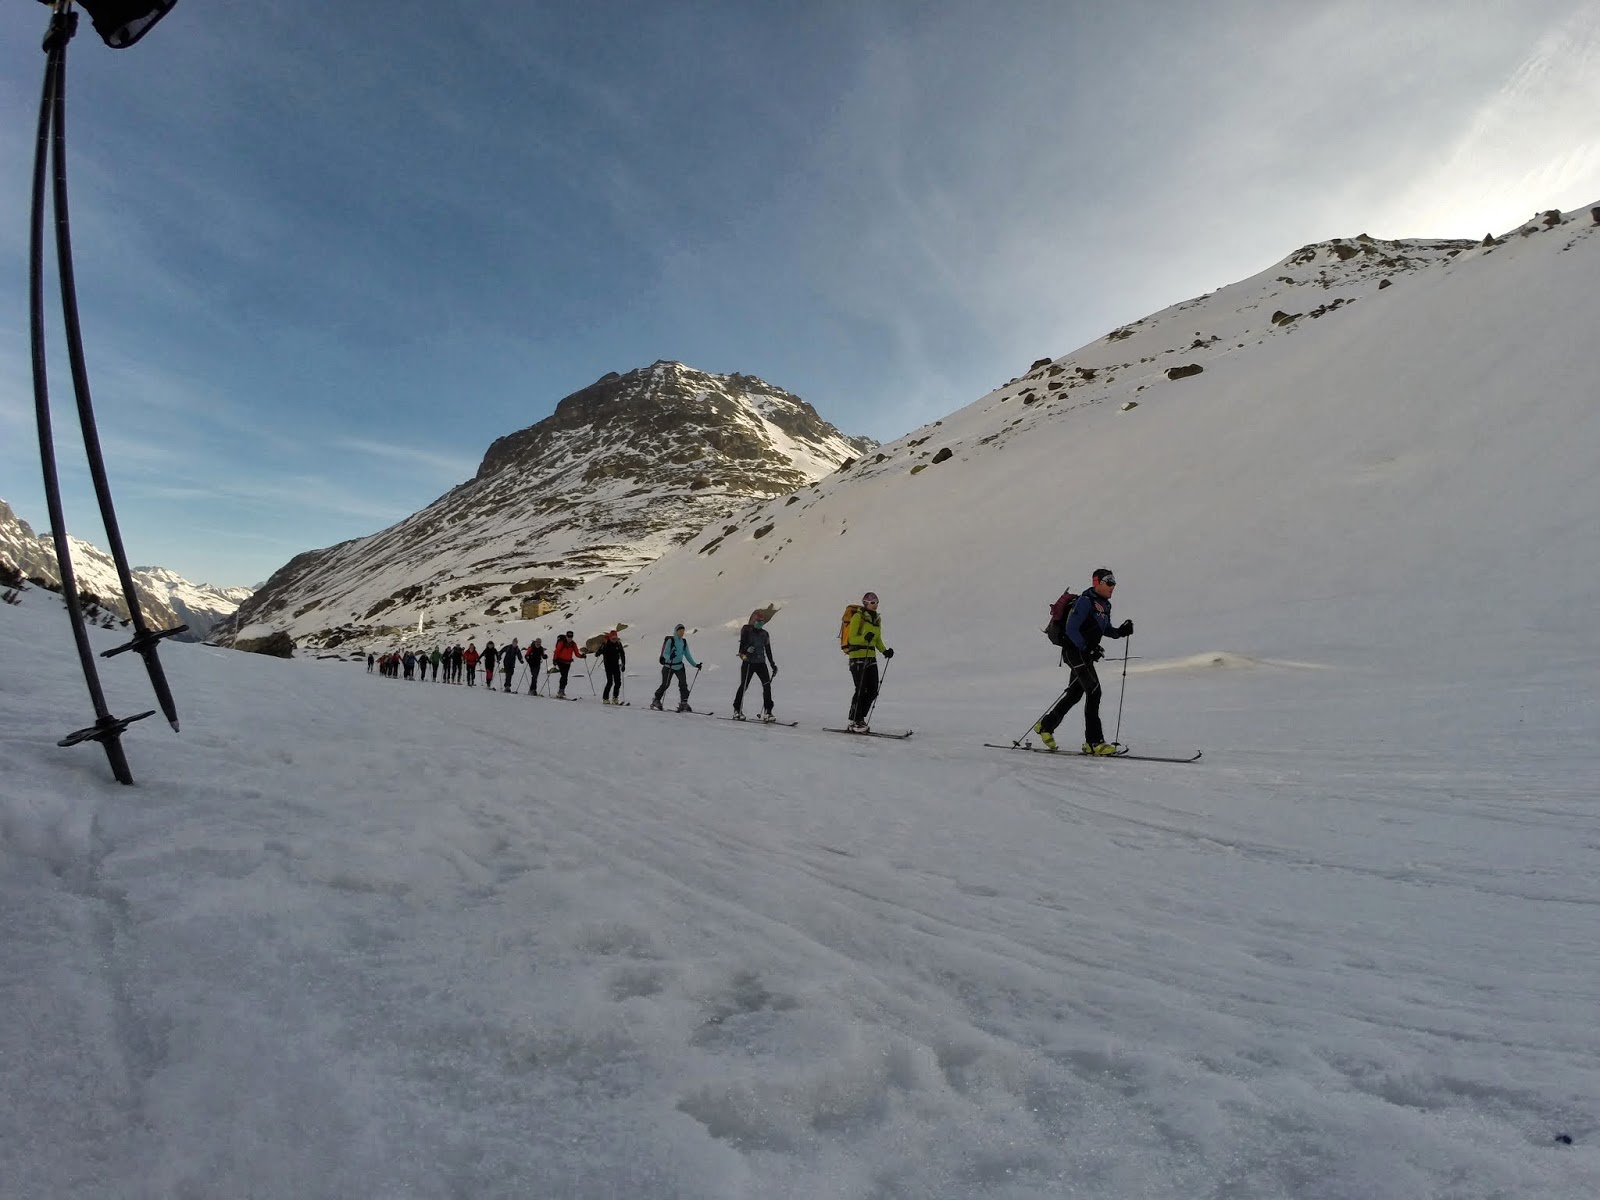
{"type": "Point", "coordinates": [1032, 749]}
{"type": "Point", "coordinates": [899, 737]}
{"type": "Point", "coordinates": [759, 721]}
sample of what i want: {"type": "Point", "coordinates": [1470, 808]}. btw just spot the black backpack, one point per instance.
{"type": "Point", "coordinates": [1056, 630]}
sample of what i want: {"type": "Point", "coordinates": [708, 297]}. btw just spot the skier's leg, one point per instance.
{"type": "Point", "coordinates": [1093, 732]}
{"type": "Point", "coordinates": [869, 686]}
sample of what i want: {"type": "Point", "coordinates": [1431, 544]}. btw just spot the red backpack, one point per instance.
{"type": "Point", "coordinates": [1056, 630]}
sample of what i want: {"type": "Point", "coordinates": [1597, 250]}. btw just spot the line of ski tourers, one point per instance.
{"type": "Point", "coordinates": [1078, 624]}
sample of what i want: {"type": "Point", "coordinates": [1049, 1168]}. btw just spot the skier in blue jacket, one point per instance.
{"type": "Point", "coordinates": [674, 656]}
{"type": "Point", "coordinates": [1087, 623]}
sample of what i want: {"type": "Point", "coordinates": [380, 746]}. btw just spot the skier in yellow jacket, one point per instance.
{"type": "Point", "coordinates": [863, 640]}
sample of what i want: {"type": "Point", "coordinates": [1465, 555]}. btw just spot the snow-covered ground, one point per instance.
{"type": "Point", "coordinates": [359, 937]}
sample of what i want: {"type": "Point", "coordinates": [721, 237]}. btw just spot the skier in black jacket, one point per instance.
{"type": "Point", "coordinates": [614, 657]}
{"type": "Point", "coordinates": [510, 656]}
{"type": "Point", "coordinates": [535, 657]}
{"type": "Point", "coordinates": [1087, 623]}
{"type": "Point", "coordinates": [755, 656]}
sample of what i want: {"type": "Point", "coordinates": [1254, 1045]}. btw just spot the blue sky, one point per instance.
{"type": "Point", "coordinates": [326, 253]}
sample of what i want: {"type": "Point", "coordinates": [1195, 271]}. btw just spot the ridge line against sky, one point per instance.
{"type": "Point", "coordinates": [326, 256]}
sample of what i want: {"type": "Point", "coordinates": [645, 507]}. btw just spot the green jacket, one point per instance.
{"type": "Point", "coordinates": [865, 638]}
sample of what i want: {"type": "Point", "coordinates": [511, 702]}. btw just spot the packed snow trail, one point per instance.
{"type": "Point", "coordinates": [353, 939]}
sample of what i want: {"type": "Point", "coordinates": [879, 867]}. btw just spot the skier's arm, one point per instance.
{"type": "Point", "coordinates": [1082, 628]}
{"type": "Point", "coordinates": [687, 657]}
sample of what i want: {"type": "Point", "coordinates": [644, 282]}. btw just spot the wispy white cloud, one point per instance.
{"type": "Point", "coordinates": [453, 467]}
{"type": "Point", "coordinates": [1529, 144]}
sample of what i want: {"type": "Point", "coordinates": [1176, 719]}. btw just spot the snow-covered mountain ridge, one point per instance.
{"type": "Point", "coordinates": [1400, 383]}
{"type": "Point", "coordinates": [166, 598]}
{"type": "Point", "coordinates": [622, 471]}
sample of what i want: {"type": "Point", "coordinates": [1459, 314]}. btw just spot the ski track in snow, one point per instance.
{"type": "Point", "coordinates": [350, 937]}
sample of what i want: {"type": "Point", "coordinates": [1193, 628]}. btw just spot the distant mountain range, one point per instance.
{"type": "Point", "coordinates": [166, 598]}
{"type": "Point", "coordinates": [620, 473]}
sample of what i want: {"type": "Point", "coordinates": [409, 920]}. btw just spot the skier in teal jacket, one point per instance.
{"type": "Point", "coordinates": [674, 656]}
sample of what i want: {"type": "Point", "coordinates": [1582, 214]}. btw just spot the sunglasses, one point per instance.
{"type": "Point", "coordinates": [1109, 580]}
{"type": "Point", "coordinates": [870, 600]}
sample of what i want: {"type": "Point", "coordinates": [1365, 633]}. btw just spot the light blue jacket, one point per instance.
{"type": "Point", "coordinates": [676, 651]}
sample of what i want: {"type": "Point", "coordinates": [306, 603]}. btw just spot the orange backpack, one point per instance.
{"type": "Point", "coordinates": [850, 610]}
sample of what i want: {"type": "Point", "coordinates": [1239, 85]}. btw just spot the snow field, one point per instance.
{"type": "Point", "coordinates": [415, 940]}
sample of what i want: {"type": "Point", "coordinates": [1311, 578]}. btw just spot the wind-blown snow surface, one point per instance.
{"type": "Point", "coordinates": [355, 937]}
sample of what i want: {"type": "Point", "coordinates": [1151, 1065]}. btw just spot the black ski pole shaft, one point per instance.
{"type": "Point", "coordinates": [1017, 741]}
{"type": "Point", "coordinates": [1126, 643]}
{"type": "Point", "coordinates": [144, 642]}
{"type": "Point", "coordinates": [107, 729]}
{"type": "Point", "coordinates": [692, 682]}
{"type": "Point", "coordinates": [875, 699]}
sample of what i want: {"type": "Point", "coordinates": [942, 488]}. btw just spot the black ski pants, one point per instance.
{"type": "Point", "coordinates": [666, 681]}
{"type": "Point", "coordinates": [565, 667]}
{"type": "Point", "coordinates": [864, 673]}
{"type": "Point", "coordinates": [757, 670]}
{"type": "Point", "coordinates": [1085, 686]}
{"type": "Point", "coordinates": [613, 687]}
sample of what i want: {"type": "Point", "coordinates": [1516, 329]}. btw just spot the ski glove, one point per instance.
{"type": "Point", "coordinates": [1096, 653]}
{"type": "Point", "coordinates": [888, 653]}
{"type": "Point", "coordinates": [1126, 628]}
{"type": "Point", "coordinates": [662, 660]}
{"type": "Point", "coordinates": [774, 672]}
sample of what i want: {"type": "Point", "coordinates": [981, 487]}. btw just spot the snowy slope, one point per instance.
{"type": "Point", "coordinates": [1451, 413]}
{"type": "Point", "coordinates": [353, 937]}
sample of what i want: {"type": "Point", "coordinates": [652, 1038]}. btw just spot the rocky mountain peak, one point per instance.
{"type": "Point", "coordinates": [619, 473]}
{"type": "Point", "coordinates": [676, 409]}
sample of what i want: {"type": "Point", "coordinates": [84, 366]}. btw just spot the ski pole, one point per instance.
{"type": "Point", "coordinates": [145, 640]}
{"type": "Point", "coordinates": [590, 675]}
{"type": "Point", "coordinates": [1017, 741]}
{"type": "Point", "coordinates": [1124, 690]}
{"type": "Point", "coordinates": [692, 682]}
{"type": "Point", "coordinates": [876, 698]}
{"type": "Point", "coordinates": [107, 729]}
